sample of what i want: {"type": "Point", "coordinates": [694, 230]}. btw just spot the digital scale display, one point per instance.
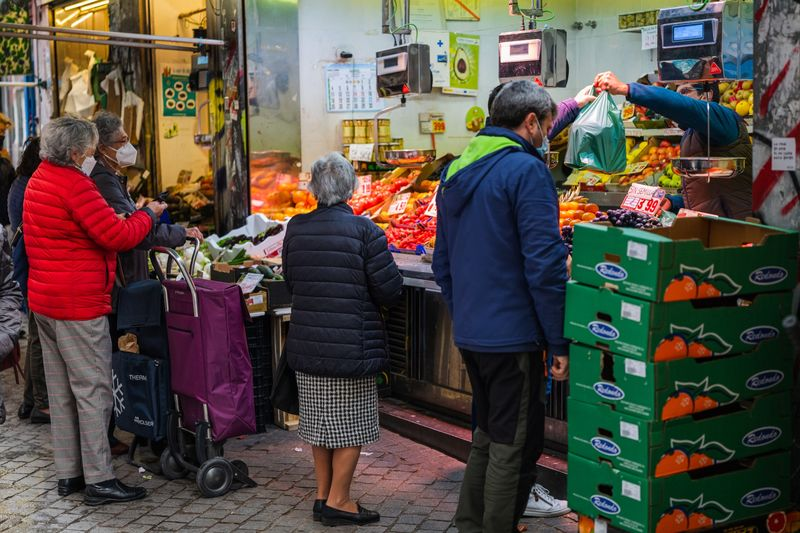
{"type": "Point", "coordinates": [518, 49]}
{"type": "Point", "coordinates": [687, 33]}
{"type": "Point", "coordinates": [390, 62]}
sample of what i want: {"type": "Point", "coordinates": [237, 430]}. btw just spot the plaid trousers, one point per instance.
{"type": "Point", "coordinates": [77, 365]}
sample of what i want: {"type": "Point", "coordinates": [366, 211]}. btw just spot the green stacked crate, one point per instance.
{"type": "Point", "coordinates": [679, 413]}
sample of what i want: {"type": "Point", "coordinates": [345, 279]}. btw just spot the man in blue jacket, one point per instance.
{"type": "Point", "coordinates": [732, 198]}
{"type": "Point", "coordinates": [501, 265]}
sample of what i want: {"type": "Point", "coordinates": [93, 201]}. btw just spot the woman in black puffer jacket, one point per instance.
{"type": "Point", "coordinates": [339, 270]}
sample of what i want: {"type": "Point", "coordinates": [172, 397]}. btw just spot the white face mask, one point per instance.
{"type": "Point", "coordinates": [126, 156]}
{"type": "Point", "coordinates": [88, 165]}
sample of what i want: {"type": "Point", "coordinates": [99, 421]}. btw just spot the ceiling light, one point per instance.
{"type": "Point", "coordinates": [94, 6]}
{"type": "Point", "coordinates": [80, 4]}
{"type": "Point", "coordinates": [61, 22]}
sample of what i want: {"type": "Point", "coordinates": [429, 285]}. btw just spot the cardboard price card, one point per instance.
{"type": "Point", "coordinates": [644, 199]}
{"type": "Point", "coordinates": [431, 210]}
{"type": "Point", "coordinates": [364, 184]}
{"type": "Point", "coordinates": [399, 203]}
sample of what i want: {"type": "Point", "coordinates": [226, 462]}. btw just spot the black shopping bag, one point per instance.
{"type": "Point", "coordinates": [284, 389]}
{"type": "Point", "coordinates": [141, 394]}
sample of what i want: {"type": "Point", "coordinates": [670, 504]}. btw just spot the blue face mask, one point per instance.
{"type": "Point", "coordinates": [545, 147]}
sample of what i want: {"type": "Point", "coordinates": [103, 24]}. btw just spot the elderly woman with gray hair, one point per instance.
{"type": "Point", "coordinates": [72, 238]}
{"type": "Point", "coordinates": [339, 271]}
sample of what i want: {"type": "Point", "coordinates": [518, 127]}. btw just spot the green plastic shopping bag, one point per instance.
{"type": "Point", "coordinates": [597, 138]}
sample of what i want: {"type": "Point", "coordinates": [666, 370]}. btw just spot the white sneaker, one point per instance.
{"type": "Point", "coordinates": [542, 505]}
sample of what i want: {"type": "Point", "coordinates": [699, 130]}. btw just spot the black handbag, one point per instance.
{"type": "Point", "coordinates": [284, 388]}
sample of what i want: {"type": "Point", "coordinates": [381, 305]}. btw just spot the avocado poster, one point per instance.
{"type": "Point", "coordinates": [464, 54]}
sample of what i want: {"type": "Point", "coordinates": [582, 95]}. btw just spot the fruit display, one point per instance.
{"type": "Point", "coordinates": [275, 186]}
{"type": "Point", "coordinates": [380, 191]}
{"type": "Point", "coordinates": [738, 96]}
{"type": "Point", "coordinates": [624, 218]}
{"type": "Point", "coordinates": [670, 180]}
{"type": "Point", "coordinates": [414, 226]}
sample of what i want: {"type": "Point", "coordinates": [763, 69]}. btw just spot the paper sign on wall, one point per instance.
{"type": "Point", "coordinates": [439, 43]}
{"type": "Point", "coordinates": [464, 53]}
{"type": "Point", "coordinates": [351, 88]}
{"type": "Point", "coordinates": [649, 37]}
{"type": "Point", "coordinates": [361, 152]}
{"type": "Point", "coordinates": [784, 154]}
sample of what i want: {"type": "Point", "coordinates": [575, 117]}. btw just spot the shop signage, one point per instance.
{"type": "Point", "coordinates": [784, 154]}
{"type": "Point", "coordinates": [644, 199]}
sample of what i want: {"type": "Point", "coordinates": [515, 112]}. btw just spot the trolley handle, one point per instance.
{"type": "Point", "coordinates": [175, 256]}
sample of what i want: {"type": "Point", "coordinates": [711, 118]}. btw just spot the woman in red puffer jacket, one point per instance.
{"type": "Point", "coordinates": [72, 238]}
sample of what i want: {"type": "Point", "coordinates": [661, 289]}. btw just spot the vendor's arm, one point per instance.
{"type": "Point", "coordinates": [687, 112]}
{"type": "Point", "coordinates": [536, 214]}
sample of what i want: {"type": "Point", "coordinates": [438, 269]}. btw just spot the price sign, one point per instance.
{"type": "Point", "coordinates": [361, 152]}
{"type": "Point", "coordinates": [305, 178]}
{"type": "Point", "coordinates": [399, 203]}
{"type": "Point", "coordinates": [649, 37]}
{"type": "Point", "coordinates": [364, 184]}
{"type": "Point", "coordinates": [431, 210]}
{"type": "Point", "coordinates": [644, 199]}
{"type": "Point", "coordinates": [784, 152]}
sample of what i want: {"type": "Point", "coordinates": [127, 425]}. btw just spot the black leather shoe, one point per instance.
{"type": "Point", "coordinates": [24, 411]}
{"type": "Point", "coordinates": [112, 491]}
{"type": "Point", "coordinates": [70, 485]}
{"type": "Point", "coordinates": [39, 417]}
{"type": "Point", "coordinates": [318, 505]}
{"type": "Point", "coordinates": [335, 517]}
{"type": "Point", "coordinates": [2, 413]}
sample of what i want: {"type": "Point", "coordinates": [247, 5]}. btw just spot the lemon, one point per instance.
{"type": "Point", "coordinates": [743, 108]}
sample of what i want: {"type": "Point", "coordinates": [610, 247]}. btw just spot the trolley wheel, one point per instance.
{"type": "Point", "coordinates": [215, 477]}
{"type": "Point", "coordinates": [241, 466]}
{"type": "Point", "coordinates": [170, 468]}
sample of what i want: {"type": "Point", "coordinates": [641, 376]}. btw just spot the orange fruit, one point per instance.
{"type": "Point", "coordinates": [671, 463]}
{"type": "Point", "coordinates": [704, 403]}
{"type": "Point", "coordinates": [698, 350]}
{"type": "Point", "coordinates": [573, 205]}
{"type": "Point", "coordinates": [699, 521]}
{"type": "Point", "coordinates": [671, 348]}
{"type": "Point", "coordinates": [588, 217]}
{"type": "Point", "coordinates": [562, 207]}
{"type": "Point", "coordinates": [299, 196]}
{"type": "Point", "coordinates": [591, 208]}
{"type": "Point", "coordinates": [707, 290]}
{"type": "Point", "coordinates": [673, 521]}
{"type": "Point", "coordinates": [681, 288]}
{"type": "Point", "coordinates": [585, 524]}
{"type": "Point", "coordinates": [700, 460]}
{"type": "Point", "coordinates": [676, 406]}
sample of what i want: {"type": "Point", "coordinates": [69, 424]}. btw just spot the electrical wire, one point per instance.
{"type": "Point", "coordinates": [698, 6]}
{"type": "Point", "coordinates": [409, 25]}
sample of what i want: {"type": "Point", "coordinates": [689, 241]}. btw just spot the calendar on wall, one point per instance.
{"type": "Point", "coordinates": [351, 88]}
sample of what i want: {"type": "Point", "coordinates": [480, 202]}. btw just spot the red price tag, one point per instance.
{"type": "Point", "coordinates": [644, 199]}
{"type": "Point", "coordinates": [399, 203]}
{"type": "Point", "coordinates": [431, 210]}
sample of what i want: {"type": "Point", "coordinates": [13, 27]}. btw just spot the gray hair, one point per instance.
{"type": "Point", "coordinates": [517, 100]}
{"type": "Point", "coordinates": [63, 136]}
{"type": "Point", "coordinates": [333, 179]}
{"type": "Point", "coordinates": [108, 124]}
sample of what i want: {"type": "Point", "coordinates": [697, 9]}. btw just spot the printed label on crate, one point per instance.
{"type": "Point", "coordinates": [606, 446]}
{"type": "Point", "coordinates": [611, 271]}
{"type": "Point", "coordinates": [608, 391]}
{"type": "Point", "coordinates": [635, 368]}
{"type": "Point", "coordinates": [637, 250]}
{"type": "Point", "coordinates": [760, 497]}
{"type": "Point", "coordinates": [765, 380]}
{"type": "Point", "coordinates": [603, 330]}
{"type": "Point", "coordinates": [762, 436]}
{"type": "Point", "coordinates": [769, 275]}
{"type": "Point", "coordinates": [758, 334]}
{"type": "Point", "coordinates": [399, 203]}
{"type": "Point", "coordinates": [605, 504]}
{"type": "Point", "coordinates": [644, 199]}
{"type": "Point", "coordinates": [631, 490]}
{"type": "Point", "coordinates": [628, 430]}
{"type": "Point", "coordinates": [431, 210]}
{"type": "Point", "coordinates": [364, 184]}
{"type": "Point", "coordinates": [631, 312]}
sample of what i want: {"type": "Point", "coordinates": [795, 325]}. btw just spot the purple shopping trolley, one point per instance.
{"type": "Point", "coordinates": [211, 378]}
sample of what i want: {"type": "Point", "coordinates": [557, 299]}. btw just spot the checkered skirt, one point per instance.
{"type": "Point", "coordinates": [338, 412]}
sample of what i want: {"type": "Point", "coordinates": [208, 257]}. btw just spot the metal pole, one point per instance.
{"type": "Point", "coordinates": [113, 34]}
{"type": "Point", "coordinates": [96, 41]}
{"type": "Point", "coordinates": [20, 84]}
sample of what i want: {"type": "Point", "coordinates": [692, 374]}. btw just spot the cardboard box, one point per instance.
{"type": "Point", "coordinates": [642, 389]}
{"type": "Point", "coordinates": [665, 331]}
{"type": "Point", "coordinates": [695, 258]}
{"type": "Point", "coordinates": [653, 448]}
{"type": "Point", "coordinates": [257, 302]}
{"type": "Point", "coordinates": [684, 502]}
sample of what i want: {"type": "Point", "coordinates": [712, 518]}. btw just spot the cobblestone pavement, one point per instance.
{"type": "Point", "coordinates": [413, 487]}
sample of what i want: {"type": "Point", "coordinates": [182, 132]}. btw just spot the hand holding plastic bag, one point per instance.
{"type": "Point", "coordinates": [597, 138]}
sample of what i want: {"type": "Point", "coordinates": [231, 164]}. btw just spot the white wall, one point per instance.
{"type": "Point", "coordinates": [355, 27]}
{"type": "Point", "coordinates": [178, 153]}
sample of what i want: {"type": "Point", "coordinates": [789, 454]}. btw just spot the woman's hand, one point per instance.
{"type": "Point", "coordinates": [194, 233]}
{"type": "Point", "coordinates": [585, 97]}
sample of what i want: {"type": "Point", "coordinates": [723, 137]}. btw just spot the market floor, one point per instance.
{"type": "Point", "coordinates": [414, 488]}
